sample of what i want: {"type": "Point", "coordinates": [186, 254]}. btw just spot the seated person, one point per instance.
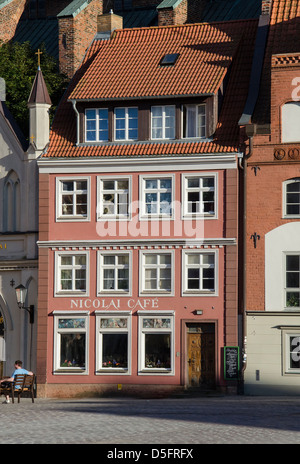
{"type": "Point", "coordinates": [18, 370]}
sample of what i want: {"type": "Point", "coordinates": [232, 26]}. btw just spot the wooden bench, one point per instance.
{"type": "Point", "coordinates": [22, 384]}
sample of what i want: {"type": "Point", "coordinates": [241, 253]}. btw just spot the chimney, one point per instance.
{"type": "Point", "coordinates": [107, 23]}
{"type": "Point", "coordinates": [266, 7]}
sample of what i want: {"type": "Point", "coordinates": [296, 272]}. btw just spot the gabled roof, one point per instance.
{"type": "Point", "coordinates": [205, 53]}
{"type": "Point", "coordinates": [127, 67]}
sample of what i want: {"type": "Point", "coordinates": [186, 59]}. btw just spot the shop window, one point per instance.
{"type": "Point", "coordinates": [199, 196]}
{"type": "Point", "coordinates": [72, 199]}
{"type": "Point", "coordinates": [156, 273]}
{"type": "Point", "coordinates": [156, 195]}
{"type": "Point", "coordinates": [114, 273]}
{"type": "Point", "coordinates": [291, 198]}
{"type": "Point", "coordinates": [199, 272]}
{"type": "Point", "coordinates": [292, 289]}
{"type": "Point", "coordinates": [114, 198]}
{"type": "Point", "coordinates": [163, 122]}
{"type": "Point", "coordinates": [194, 121]}
{"type": "Point", "coordinates": [290, 113]}
{"type": "Point", "coordinates": [70, 342]}
{"type": "Point", "coordinates": [113, 342]}
{"type": "Point", "coordinates": [71, 273]}
{"type": "Point", "coordinates": [156, 340]}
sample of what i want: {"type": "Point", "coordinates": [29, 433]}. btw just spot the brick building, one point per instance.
{"type": "Point", "coordinates": [272, 244]}
{"type": "Point", "coordinates": [138, 233]}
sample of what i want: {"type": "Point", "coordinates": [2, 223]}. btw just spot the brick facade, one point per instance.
{"type": "Point", "coordinates": [9, 18]}
{"type": "Point", "coordinates": [271, 163]}
{"type": "Point", "coordinates": [75, 35]}
{"type": "Point", "coordinates": [170, 16]}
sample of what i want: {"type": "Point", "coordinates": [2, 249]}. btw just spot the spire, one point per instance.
{"type": "Point", "coordinates": [39, 103]}
{"type": "Point", "coordinates": [39, 92]}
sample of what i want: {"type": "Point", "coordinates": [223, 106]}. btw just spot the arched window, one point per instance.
{"type": "Point", "coordinates": [290, 129]}
{"type": "Point", "coordinates": [11, 203]}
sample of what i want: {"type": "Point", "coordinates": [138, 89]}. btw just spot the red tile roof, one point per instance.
{"type": "Point", "coordinates": [127, 66]}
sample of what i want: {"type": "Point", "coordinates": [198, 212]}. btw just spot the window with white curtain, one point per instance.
{"type": "Point", "coordinates": [194, 121]}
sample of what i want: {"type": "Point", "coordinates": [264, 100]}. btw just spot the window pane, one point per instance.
{"type": "Point", "coordinates": [108, 259]}
{"type": "Point", "coordinates": [292, 263]}
{"type": "Point", "coordinates": [292, 299]}
{"type": "Point", "coordinates": [67, 185]}
{"type": "Point", "coordinates": [72, 350]}
{"type": "Point", "coordinates": [71, 323]}
{"type": "Point", "coordinates": [66, 260]}
{"type": "Point", "coordinates": [158, 351]}
{"type": "Point", "coordinates": [114, 350]}
{"type": "Point", "coordinates": [113, 323]}
{"type": "Point", "coordinates": [293, 187]}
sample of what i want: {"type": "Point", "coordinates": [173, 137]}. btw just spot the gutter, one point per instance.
{"type": "Point", "coordinates": [246, 121]}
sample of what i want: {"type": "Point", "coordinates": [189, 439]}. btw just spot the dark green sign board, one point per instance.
{"type": "Point", "coordinates": [231, 362]}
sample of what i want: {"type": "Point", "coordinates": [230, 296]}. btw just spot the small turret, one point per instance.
{"type": "Point", "coordinates": [39, 104]}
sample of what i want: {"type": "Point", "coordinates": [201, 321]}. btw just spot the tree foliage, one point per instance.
{"type": "Point", "coordinates": [18, 67]}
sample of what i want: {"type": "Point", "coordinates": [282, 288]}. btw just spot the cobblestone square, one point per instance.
{"type": "Point", "coordinates": [172, 421]}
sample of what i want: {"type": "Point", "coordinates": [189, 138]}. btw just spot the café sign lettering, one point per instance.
{"type": "Point", "coordinates": [105, 303]}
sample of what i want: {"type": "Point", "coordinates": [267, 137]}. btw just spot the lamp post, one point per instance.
{"type": "Point", "coordinates": [21, 293]}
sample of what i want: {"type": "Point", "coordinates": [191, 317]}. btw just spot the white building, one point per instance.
{"type": "Point", "coordinates": [19, 226]}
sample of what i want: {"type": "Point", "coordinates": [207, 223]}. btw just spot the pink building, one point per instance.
{"type": "Point", "coordinates": [138, 235]}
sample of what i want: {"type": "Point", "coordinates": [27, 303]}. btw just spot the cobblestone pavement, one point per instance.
{"type": "Point", "coordinates": [172, 421]}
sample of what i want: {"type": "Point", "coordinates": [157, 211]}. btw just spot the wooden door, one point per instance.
{"type": "Point", "coordinates": [201, 356]}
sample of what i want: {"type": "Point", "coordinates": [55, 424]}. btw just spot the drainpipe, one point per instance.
{"type": "Point", "coordinates": [244, 301]}
{"type": "Point", "coordinates": [77, 121]}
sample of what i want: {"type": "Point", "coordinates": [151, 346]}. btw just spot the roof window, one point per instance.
{"type": "Point", "coordinates": [169, 59]}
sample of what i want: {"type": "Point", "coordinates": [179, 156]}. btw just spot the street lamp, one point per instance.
{"type": "Point", "coordinates": [21, 293]}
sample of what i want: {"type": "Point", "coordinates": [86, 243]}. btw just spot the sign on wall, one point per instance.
{"type": "Point", "coordinates": [231, 362]}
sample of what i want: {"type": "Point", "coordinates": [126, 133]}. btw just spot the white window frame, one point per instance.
{"type": "Point", "coordinates": [142, 266]}
{"type": "Point", "coordinates": [199, 292]}
{"type": "Point", "coordinates": [143, 369]}
{"type": "Point", "coordinates": [196, 106]}
{"type": "Point", "coordinates": [100, 370]}
{"type": "Point", "coordinates": [144, 215]}
{"type": "Point", "coordinates": [59, 192]}
{"type": "Point", "coordinates": [97, 126]}
{"type": "Point", "coordinates": [57, 273]}
{"type": "Point", "coordinates": [184, 195]}
{"type": "Point", "coordinates": [127, 138]}
{"type": "Point", "coordinates": [290, 118]}
{"type": "Point", "coordinates": [163, 121]}
{"type": "Point", "coordinates": [100, 190]}
{"type": "Point", "coordinates": [290, 289]}
{"type": "Point", "coordinates": [284, 198]}
{"type": "Point", "coordinates": [57, 369]}
{"type": "Point", "coordinates": [287, 334]}
{"type": "Point", "coordinates": [100, 289]}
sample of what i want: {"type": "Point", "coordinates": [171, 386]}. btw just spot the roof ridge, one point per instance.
{"type": "Point", "coordinates": [186, 25]}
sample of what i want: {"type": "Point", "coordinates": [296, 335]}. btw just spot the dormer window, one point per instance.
{"type": "Point", "coordinates": [126, 123]}
{"type": "Point", "coordinates": [163, 122]}
{"type": "Point", "coordinates": [96, 125]}
{"type": "Point", "coordinates": [194, 121]}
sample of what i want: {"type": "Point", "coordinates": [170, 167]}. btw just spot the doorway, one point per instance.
{"type": "Point", "coordinates": [201, 355]}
